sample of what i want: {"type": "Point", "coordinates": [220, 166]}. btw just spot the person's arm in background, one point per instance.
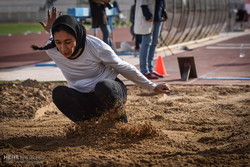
{"type": "Point", "coordinates": [164, 15]}
{"type": "Point", "coordinates": [164, 12]}
{"type": "Point", "coordinates": [146, 13]}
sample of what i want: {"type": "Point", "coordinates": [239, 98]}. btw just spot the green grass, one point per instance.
{"type": "Point", "coordinates": [29, 28]}
{"type": "Point", "coordinates": [20, 28]}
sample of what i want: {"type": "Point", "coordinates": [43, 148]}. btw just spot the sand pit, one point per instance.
{"type": "Point", "coordinates": [193, 126]}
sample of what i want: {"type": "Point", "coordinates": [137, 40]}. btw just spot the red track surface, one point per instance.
{"type": "Point", "coordinates": [212, 63]}
{"type": "Point", "coordinates": [15, 51]}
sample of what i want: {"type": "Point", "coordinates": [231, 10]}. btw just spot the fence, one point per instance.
{"type": "Point", "coordinates": [193, 19]}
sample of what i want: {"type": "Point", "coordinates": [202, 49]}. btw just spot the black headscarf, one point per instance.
{"type": "Point", "coordinates": [79, 30]}
{"type": "Point", "coordinates": [79, 33]}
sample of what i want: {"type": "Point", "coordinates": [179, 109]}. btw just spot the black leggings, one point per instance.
{"type": "Point", "coordinates": [78, 106]}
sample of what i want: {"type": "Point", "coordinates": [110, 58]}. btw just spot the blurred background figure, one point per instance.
{"type": "Point", "coordinates": [238, 15]}
{"type": "Point", "coordinates": [136, 37]}
{"type": "Point", "coordinates": [99, 18]}
{"type": "Point", "coordinates": [48, 4]}
{"type": "Point", "coordinates": [119, 18]}
{"type": "Point", "coordinates": [247, 7]}
{"type": "Point", "coordinates": [149, 16]}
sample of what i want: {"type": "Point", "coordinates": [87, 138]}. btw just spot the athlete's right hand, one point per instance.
{"type": "Point", "coordinates": [51, 18]}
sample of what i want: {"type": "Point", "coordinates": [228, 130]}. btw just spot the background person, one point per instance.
{"type": "Point", "coordinates": [148, 18]}
{"type": "Point", "coordinates": [135, 36]}
{"type": "Point", "coordinates": [99, 18]}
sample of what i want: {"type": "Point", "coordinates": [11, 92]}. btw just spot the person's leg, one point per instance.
{"type": "Point", "coordinates": [106, 34]}
{"type": "Point", "coordinates": [110, 93]}
{"type": "Point", "coordinates": [144, 51]}
{"type": "Point", "coordinates": [112, 96]}
{"type": "Point", "coordinates": [155, 34]}
{"type": "Point", "coordinates": [137, 42]}
{"type": "Point", "coordinates": [75, 105]}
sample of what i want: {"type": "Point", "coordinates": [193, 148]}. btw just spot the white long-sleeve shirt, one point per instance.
{"type": "Point", "coordinates": [97, 62]}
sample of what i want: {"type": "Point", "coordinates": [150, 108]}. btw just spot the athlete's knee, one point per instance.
{"type": "Point", "coordinates": [104, 88]}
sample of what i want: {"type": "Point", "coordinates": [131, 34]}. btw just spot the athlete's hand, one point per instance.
{"type": "Point", "coordinates": [162, 88]}
{"type": "Point", "coordinates": [51, 18]}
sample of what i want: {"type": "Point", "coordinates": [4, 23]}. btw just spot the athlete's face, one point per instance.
{"type": "Point", "coordinates": [65, 43]}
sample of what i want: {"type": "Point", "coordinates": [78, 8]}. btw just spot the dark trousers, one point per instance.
{"type": "Point", "coordinates": [78, 106]}
{"type": "Point", "coordinates": [137, 41]}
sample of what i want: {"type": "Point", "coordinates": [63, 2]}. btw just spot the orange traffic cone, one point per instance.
{"type": "Point", "coordinates": [160, 68]}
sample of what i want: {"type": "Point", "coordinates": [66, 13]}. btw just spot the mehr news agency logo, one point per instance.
{"type": "Point", "coordinates": [18, 159]}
